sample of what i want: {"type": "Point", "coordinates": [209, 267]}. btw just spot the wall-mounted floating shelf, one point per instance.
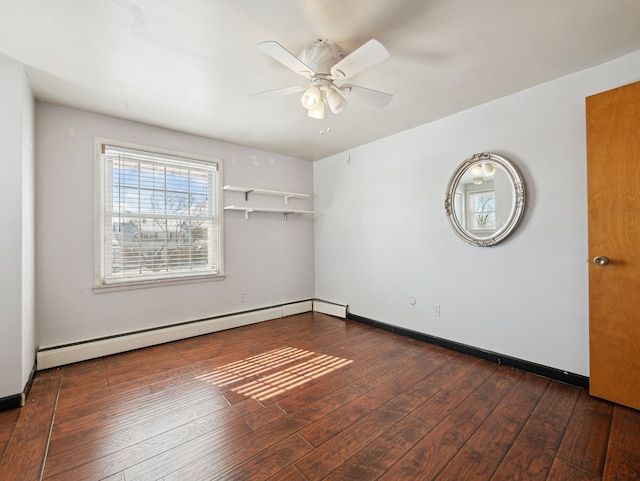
{"type": "Point", "coordinates": [278, 193]}
{"type": "Point", "coordinates": [285, 212]}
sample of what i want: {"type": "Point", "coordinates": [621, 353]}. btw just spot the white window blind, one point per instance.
{"type": "Point", "coordinates": [159, 216]}
{"type": "Point", "coordinates": [483, 210]}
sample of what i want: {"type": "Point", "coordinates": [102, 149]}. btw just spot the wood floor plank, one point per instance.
{"type": "Point", "coordinates": [533, 386]}
{"type": "Point", "coordinates": [25, 453]}
{"type": "Point", "coordinates": [5, 434]}
{"type": "Point", "coordinates": [621, 465]}
{"type": "Point", "coordinates": [141, 453]}
{"type": "Point", "coordinates": [202, 456]}
{"type": "Point", "coordinates": [288, 474]}
{"type": "Point", "coordinates": [120, 429]}
{"type": "Point", "coordinates": [79, 392]}
{"type": "Point", "coordinates": [263, 417]}
{"type": "Point", "coordinates": [77, 400]}
{"type": "Point", "coordinates": [587, 437]}
{"type": "Point", "coordinates": [6, 431]}
{"type": "Point", "coordinates": [95, 462]}
{"type": "Point", "coordinates": [367, 363]}
{"type": "Point", "coordinates": [385, 451]}
{"type": "Point", "coordinates": [9, 417]}
{"type": "Point", "coordinates": [347, 443]}
{"type": "Point", "coordinates": [268, 462]}
{"type": "Point", "coordinates": [422, 361]}
{"type": "Point", "coordinates": [530, 458]}
{"type": "Point", "coordinates": [75, 395]}
{"type": "Point", "coordinates": [385, 373]}
{"type": "Point", "coordinates": [501, 382]}
{"type": "Point", "coordinates": [432, 454]}
{"type": "Point", "coordinates": [8, 420]}
{"type": "Point", "coordinates": [330, 425]}
{"type": "Point", "coordinates": [88, 374]}
{"type": "Point", "coordinates": [625, 429]}
{"type": "Point", "coordinates": [199, 462]}
{"type": "Point", "coordinates": [372, 405]}
{"type": "Point", "coordinates": [456, 389]}
{"type": "Point", "coordinates": [533, 452]}
{"type": "Point", "coordinates": [382, 453]}
{"type": "Point", "coordinates": [498, 431]}
{"type": "Point", "coordinates": [118, 477]}
{"type": "Point", "coordinates": [102, 411]}
{"type": "Point", "coordinates": [468, 465]}
{"type": "Point", "coordinates": [555, 408]}
{"type": "Point", "coordinates": [562, 470]}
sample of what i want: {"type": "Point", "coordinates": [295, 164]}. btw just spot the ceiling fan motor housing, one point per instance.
{"type": "Point", "coordinates": [321, 55]}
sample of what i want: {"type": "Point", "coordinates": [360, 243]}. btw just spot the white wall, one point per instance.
{"type": "Point", "coordinates": [382, 234]}
{"type": "Point", "coordinates": [268, 258]}
{"type": "Point", "coordinates": [17, 347]}
{"type": "Point", "coordinates": [28, 232]}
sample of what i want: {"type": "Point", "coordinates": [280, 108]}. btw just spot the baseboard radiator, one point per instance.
{"type": "Point", "coordinates": [336, 310]}
{"type": "Point", "coordinates": [59, 355]}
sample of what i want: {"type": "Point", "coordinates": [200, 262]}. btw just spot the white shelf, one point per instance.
{"type": "Point", "coordinates": [248, 210]}
{"type": "Point", "coordinates": [277, 193]}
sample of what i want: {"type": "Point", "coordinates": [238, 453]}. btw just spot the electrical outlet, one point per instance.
{"type": "Point", "coordinates": [243, 296]}
{"type": "Point", "coordinates": [436, 309]}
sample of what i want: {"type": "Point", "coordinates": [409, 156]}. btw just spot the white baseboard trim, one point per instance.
{"type": "Point", "coordinates": [54, 356]}
{"type": "Point", "coordinates": [330, 308]}
{"type": "Point", "coordinates": [297, 308]}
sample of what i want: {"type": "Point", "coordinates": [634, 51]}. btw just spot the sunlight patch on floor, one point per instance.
{"type": "Point", "coordinates": [274, 372]}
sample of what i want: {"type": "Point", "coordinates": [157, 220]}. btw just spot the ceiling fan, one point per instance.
{"type": "Point", "coordinates": [324, 63]}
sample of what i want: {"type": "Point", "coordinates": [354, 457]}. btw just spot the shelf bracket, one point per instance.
{"type": "Point", "coordinates": [246, 195]}
{"type": "Point", "coordinates": [286, 198]}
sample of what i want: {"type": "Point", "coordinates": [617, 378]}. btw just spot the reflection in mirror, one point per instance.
{"type": "Point", "coordinates": [485, 199]}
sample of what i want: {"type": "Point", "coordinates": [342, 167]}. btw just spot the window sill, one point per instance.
{"type": "Point", "coordinates": [128, 286]}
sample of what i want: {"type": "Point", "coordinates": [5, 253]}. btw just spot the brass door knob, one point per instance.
{"type": "Point", "coordinates": [601, 260]}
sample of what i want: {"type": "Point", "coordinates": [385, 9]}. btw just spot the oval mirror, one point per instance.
{"type": "Point", "coordinates": [485, 199]}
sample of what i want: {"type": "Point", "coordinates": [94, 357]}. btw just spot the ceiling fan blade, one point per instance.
{"type": "Point", "coordinates": [286, 58]}
{"type": "Point", "coordinates": [277, 92]}
{"type": "Point", "coordinates": [360, 59]}
{"type": "Point", "coordinates": [368, 96]}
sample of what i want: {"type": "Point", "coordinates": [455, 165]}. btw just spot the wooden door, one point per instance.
{"type": "Point", "coordinates": [613, 170]}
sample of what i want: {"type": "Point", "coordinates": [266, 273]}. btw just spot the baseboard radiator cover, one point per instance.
{"type": "Point", "coordinates": [330, 308]}
{"type": "Point", "coordinates": [53, 356]}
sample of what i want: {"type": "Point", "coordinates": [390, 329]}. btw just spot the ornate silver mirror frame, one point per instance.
{"type": "Point", "coordinates": [485, 199]}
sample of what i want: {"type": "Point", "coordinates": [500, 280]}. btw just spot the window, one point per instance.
{"type": "Point", "coordinates": [483, 210]}
{"type": "Point", "coordinates": [159, 216]}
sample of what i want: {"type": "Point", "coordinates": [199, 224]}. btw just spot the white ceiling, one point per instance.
{"type": "Point", "coordinates": [191, 65]}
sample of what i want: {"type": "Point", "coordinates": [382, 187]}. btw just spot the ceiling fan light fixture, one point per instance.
{"type": "Point", "coordinates": [317, 112]}
{"type": "Point", "coordinates": [476, 170]}
{"type": "Point", "coordinates": [489, 169]}
{"type": "Point", "coordinates": [311, 98]}
{"type": "Point", "coordinates": [336, 102]}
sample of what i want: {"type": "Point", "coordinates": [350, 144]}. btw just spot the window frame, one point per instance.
{"type": "Point", "coordinates": [101, 282]}
{"type": "Point", "coordinates": [473, 213]}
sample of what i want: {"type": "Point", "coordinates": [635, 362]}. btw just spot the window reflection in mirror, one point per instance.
{"type": "Point", "coordinates": [482, 209]}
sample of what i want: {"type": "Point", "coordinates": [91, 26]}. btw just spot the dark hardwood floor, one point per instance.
{"type": "Point", "coordinates": [311, 397]}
